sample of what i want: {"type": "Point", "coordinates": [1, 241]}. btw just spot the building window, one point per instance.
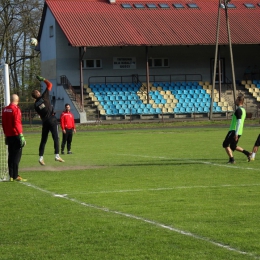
{"type": "Point", "coordinates": [139, 6]}
{"type": "Point", "coordinates": [51, 33]}
{"type": "Point", "coordinates": [126, 6]}
{"type": "Point", "coordinates": [91, 64]}
{"type": "Point", "coordinates": [229, 5]}
{"type": "Point", "coordinates": [158, 62]}
{"type": "Point", "coordinates": [166, 6]}
{"type": "Point", "coordinates": [192, 5]}
{"type": "Point", "coordinates": [248, 5]}
{"type": "Point", "coordinates": [178, 6]}
{"type": "Point", "coordinates": [151, 6]}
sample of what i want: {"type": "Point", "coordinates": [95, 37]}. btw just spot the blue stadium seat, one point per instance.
{"type": "Point", "coordinates": [139, 111]}
{"type": "Point", "coordinates": [146, 111]}
{"type": "Point", "coordinates": [182, 110]}
{"type": "Point", "coordinates": [133, 111]}
{"type": "Point", "coordinates": [121, 111]}
{"type": "Point", "coordinates": [176, 110]}
{"type": "Point", "coordinates": [218, 109]}
{"type": "Point", "coordinates": [188, 109]}
{"type": "Point", "coordinates": [152, 111]}
{"type": "Point", "coordinates": [127, 111]}
{"type": "Point", "coordinates": [163, 101]}
{"type": "Point", "coordinates": [200, 109]}
{"type": "Point", "coordinates": [158, 110]}
{"type": "Point", "coordinates": [109, 112]}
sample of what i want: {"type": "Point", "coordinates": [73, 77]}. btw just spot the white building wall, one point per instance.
{"type": "Point", "coordinates": [182, 60]}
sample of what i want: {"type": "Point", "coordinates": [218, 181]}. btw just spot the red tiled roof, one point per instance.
{"type": "Point", "coordinates": [100, 23]}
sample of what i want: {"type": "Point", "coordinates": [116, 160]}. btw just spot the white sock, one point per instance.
{"type": "Point", "coordinates": [253, 155]}
{"type": "Point", "coordinates": [57, 156]}
{"type": "Point", "coordinates": [41, 158]}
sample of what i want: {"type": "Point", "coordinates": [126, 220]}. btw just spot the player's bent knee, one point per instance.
{"type": "Point", "coordinates": [233, 147]}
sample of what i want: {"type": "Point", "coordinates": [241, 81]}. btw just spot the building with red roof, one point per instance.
{"type": "Point", "coordinates": [98, 41]}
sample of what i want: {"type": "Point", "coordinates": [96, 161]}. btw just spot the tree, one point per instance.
{"type": "Point", "coordinates": [19, 21]}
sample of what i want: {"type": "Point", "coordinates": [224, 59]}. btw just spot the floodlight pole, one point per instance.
{"type": "Point", "coordinates": [231, 53]}
{"type": "Point", "coordinates": [215, 63]}
{"type": "Point", "coordinates": [147, 75]}
{"type": "Point", "coordinates": [82, 51]}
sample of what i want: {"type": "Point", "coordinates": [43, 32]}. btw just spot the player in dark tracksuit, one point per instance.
{"type": "Point", "coordinates": [44, 109]}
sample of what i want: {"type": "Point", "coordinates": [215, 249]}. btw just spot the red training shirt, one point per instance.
{"type": "Point", "coordinates": [67, 120]}
{"type": "Point", "coordinates": [12, 120]}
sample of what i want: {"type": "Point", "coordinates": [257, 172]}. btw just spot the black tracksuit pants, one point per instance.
{"type": "Point", "coordinates": [14, 155]}
{"type": "Point", "coordinates": [67, 137]}
{"type": "Point", "coordinates": [49, 125]}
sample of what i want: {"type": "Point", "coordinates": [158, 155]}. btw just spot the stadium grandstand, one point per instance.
{"type": "Point", "coordinates": [148, 59]}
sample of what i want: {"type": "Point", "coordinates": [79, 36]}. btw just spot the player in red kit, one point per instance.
{"type": "Point", "coordinates": [68, 128]}
{"type": "Point", "coordinates": [13, 130]}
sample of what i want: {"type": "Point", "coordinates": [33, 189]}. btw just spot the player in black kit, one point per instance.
{"type": "Point", "coordinates": [44, 109]}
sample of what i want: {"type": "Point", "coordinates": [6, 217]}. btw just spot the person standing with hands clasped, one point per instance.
{"type": "Point", "coordinates": [235, 131]}
{"type": "Point", "coordinates": [44, 109]}
{"type": "Point", "coordinates": [13, 130]}
{"type": "Point", "coordinates": [68, 128]}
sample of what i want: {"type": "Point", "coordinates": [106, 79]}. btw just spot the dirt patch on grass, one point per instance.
{"type": "Point", "coordinates": [59, 168]}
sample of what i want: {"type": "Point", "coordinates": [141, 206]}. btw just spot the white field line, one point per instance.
{"type": "Point", "coordinates": [192, 161]}
{"type": "Point", "coordinates": [176, 230]}
{"type": "Point", "coordinates": [169, 188]}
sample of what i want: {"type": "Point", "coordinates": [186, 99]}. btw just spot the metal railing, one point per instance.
{"type": "Point", "coordinates": [73, 93]}
{"type": "Point", "coordinates": [142, 78]}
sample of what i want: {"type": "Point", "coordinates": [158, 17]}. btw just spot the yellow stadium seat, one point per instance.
{"type": "Point", "coordinates": [102, 112]}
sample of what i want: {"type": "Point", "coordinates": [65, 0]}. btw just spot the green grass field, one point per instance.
{"type": "Point", "coordinates": [134, 194]}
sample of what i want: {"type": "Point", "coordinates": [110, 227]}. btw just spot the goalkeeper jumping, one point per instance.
{"type": "Point", "coordinates": [44, 109]}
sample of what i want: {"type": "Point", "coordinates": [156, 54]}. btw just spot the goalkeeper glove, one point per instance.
{"type": "Point", "coordinates": [22, 140]}
{"type": "Point", "coordinates": [40, 78]}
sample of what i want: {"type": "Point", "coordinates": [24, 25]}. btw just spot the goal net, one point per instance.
{"type": "Point", "coordinates": [4, 100]}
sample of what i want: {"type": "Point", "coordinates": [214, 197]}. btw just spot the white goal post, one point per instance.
{"type": "Point", "coordinates": [4, 101]}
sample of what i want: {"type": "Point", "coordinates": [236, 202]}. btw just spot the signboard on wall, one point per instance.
{"type": "Point", "coordinates": [124, 63]}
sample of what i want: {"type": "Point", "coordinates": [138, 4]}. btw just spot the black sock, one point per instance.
{"type": "Point", "coordinates": [246, 152]}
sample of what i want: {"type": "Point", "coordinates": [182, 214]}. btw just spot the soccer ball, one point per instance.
{"type": "Point", "coordinates": [33, 42]}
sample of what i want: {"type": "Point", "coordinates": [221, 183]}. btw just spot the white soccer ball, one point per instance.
{"type": "Point", "coordinates": [33, 42]}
